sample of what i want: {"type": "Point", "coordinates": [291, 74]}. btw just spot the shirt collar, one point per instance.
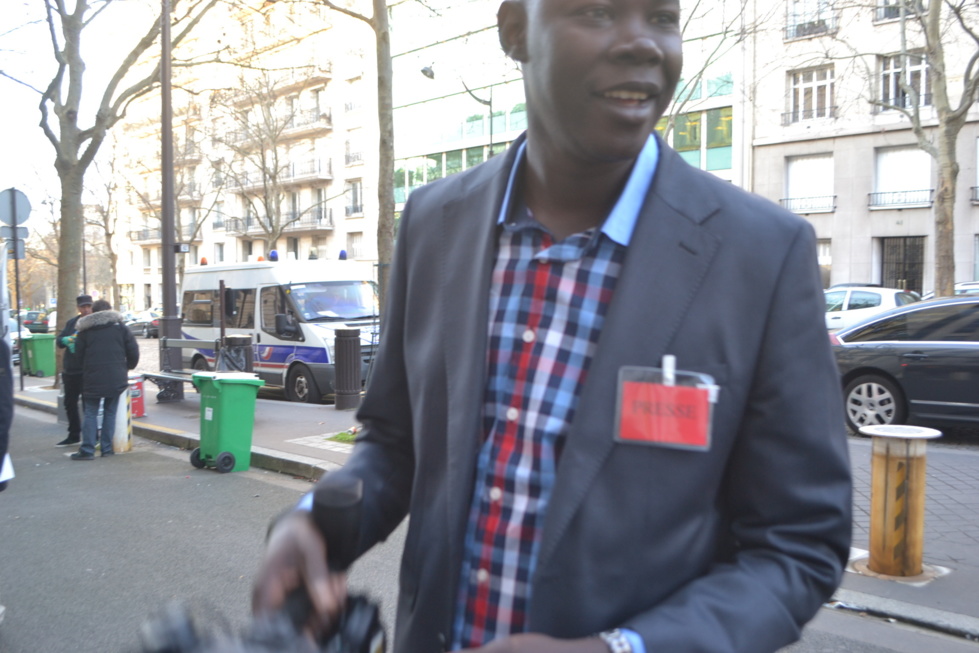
{"type": "Point", "coordinates": [621, 221]}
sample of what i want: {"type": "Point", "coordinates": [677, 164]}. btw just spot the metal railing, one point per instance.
{"type": "Point", "coordinates": [311, 221]}
{"type": "Point", "coordinates": [902, 198]}
{"type": "Point", "coordinates": [145, 235]}
{"type": "Point", "coordinates": [354, 157]}
{"type": "Point", "coordinates": [808, 28]}
{"type": "Point", "coordinates": [354, 209]}
{"type": "Point", "coordinates": [816, 204]}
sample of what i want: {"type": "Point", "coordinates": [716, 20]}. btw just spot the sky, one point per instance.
{"type": "Point", "coordinates": [26, 155]}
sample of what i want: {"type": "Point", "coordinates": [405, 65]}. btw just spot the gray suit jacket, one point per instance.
{"type": "Point", "coordinates": [732, 549]}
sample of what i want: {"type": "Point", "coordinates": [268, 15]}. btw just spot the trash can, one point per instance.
{"type": "Point", "coordinates": [136, 395]}
{"type": "Point", "coordinates": [227, 419]}
{"type": "Point", "coordinates": [38, 354]}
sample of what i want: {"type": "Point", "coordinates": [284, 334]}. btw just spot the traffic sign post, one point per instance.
{"type": "Point", "coordinates": [15, 209]}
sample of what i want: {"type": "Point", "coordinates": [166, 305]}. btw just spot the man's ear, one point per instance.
{"type": "Point", "coordinates": [511, 23]}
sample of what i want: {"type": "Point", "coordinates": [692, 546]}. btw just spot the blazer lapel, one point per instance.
{"type": "Point", "coordinates": [469, 233]}
{"type": "Point", "coordinates": [668, 258]}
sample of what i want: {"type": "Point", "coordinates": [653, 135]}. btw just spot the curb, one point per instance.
{"type": "Point", "coordinates": [951, 623]}
{"type": "Point", "coordinates": [268, 459]}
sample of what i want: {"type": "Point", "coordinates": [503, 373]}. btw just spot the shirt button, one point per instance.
{"type": "Point", "coordinates": [529, 336]}
{"type": "Point", "coordinates": [512, 414]}
{"type": "Point", "coordinates": [495, 494]}
{"type": "Point", "coordinates": [482, 576]}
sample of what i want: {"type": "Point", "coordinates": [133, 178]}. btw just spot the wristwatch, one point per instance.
{"type": "Point", "coordinates": [616, 641]}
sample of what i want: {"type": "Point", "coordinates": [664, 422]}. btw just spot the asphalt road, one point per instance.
{"type": "Point", "coordinates": [90, 549]}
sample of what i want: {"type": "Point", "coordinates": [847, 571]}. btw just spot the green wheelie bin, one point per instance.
{"type": "Point", "coordinates": [38, 355]}
{"type": "Point", "coordinates": [227, 420]}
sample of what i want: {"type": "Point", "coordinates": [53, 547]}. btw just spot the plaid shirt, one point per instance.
{"type": "Point", "coordinates": [547, 305]}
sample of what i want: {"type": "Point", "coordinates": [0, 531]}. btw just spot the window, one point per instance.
{"type": "Point", "coordinates": [474, 156]}
{"type": "Point", "coordinates": [354, 192]}
{"type": "Point", "coordinates": [891, 9]}
{"type": "Point", "coordinates": [711, 150]}
{"type": "Point", "coordinates": [936, 324]}
{"type": "Point", "coordinates": [811, 95]}
{"type": "Point", "coordinates": [808, 18]}
{"type": "Point", "coordinates": [915, 78]}
{"type": "Point", "coordinates": [218, 252]}
{"type": "Point", "coordinates": [902, 178]}
{"type": "Point", "coordinates": [198, 307]}
{"type": "Point", "coordinates": [453, 162]}
{"type": "Point", "coordinates": [824, 256]}
{"type": "Point", "coordinates": [146, 257]}
{"type": "Point", "coordinates": [809, 184]}
{"type": "Point", "coordinates": [355, 245]}
{"type": "Point", "coordinates": [273, 303]}
{"type": "Point", "coordinates": [863, 299]}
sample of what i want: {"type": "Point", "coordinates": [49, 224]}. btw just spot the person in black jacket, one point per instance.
{"type": "Point", "coordinates": [107, 350]}
{"type": "Point", "coordinates": [71, 372]}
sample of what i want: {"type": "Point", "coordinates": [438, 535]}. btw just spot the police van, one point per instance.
{"type": "Point", "coordinates": [291, 309]}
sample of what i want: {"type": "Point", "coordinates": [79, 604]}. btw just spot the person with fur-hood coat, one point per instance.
{"type": "Point", "coordinates": [107, 350]}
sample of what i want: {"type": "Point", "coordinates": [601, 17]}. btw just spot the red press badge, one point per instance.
{"type": "Point", "coordinates": [665, 407]}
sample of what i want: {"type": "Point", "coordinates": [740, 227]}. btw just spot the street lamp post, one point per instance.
{"type": "Point", "coordinates": [170, 322]}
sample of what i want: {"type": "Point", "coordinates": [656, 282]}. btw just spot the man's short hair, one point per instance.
{"type": "Point", "coordinates": [84, 300]}
{"type": "Point", "coordinates": [101, 305]}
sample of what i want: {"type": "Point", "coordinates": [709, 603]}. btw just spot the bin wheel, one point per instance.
{"type": "Point", "coordinates": [39, 373]}
{"type": "Point", "coordinates": [195, 458]}
{"type": "Point", "coordinates": [225, 462]}
{"type": "Point", "coordinates": [301, 386]}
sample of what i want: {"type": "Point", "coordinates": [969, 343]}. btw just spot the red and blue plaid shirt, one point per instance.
{"type": "Point", "coordinates": [548, 301]}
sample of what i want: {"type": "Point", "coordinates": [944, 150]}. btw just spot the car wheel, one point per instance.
{"type": "Point", "coordinates": [146, 331]}
{"type": "Point", "coordinates": [301, 386]}
{"type": "Point", "coordinates": [200, 364]}
{"type": "Point", "coordinates": [873, 400]}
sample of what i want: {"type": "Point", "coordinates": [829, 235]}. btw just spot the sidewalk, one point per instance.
{"type": "Point", "coordinates": [293, 439]}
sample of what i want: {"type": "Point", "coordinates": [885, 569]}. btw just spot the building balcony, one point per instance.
{"type": "Point", "coordinates": [243, 226]}
{"type": "Point", "coordinates": [189, 192]}
{"type": "Point", "coordinates": [902, 199]}
{"type": "Point", "coordinates": [190, 233]}
{"type": "Point", "coordinates": [308, 123]}
{"type": "Point", "coordinates": [189, 154]}
{"type": "Point", "coordinates": [806, 205]}
{"type": "Point", "coordinates": [354, 210]}
{"type": "Point", "coordinates": [146, 236]}
{"type": "Point", "coordinates": [806, 28]}
{"type": "Point", "coordinates": [353, 158]}
{"type": "Point", "coordinates": [792, 117]}
{"type": "Point", "coordinates": [307, 171]}
{"type": "Point", "coordinates": [317, 219]}
{"type": "Point", "coordinates": [924, 100]}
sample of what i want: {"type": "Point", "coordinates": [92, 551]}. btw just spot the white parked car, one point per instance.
{"type": "Point", "coordinates": [845, 306]}
{"type": "Point", "coordinates": [962, 288]}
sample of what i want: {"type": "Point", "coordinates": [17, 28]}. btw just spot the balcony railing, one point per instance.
{"type": "Point", "coordinates": [354, 209]}
{"type": "Point", "coordinates": [805, 205]}
{"type": "Point", "coordinates": [145, 235]}
{"type": "Point", "coordinates": [310, 118]}
{"type": "Point", "coordinates": [805, 28]}
{"type": "Point", "coordinates": [924, 100]}
{"type": "Point", "coordinates": [792, 117]}
{"type": "Point", "coordinates": [313, 220]}
{"type": "Point", "coordinates": [242, 226]}
{"type": "Point", "coordinates": [187, 154]}
{"type": "Point", "coordinates": [352, 158]}
{"type": "Point", "coordinates": [311, 169]}
{"type": "Point", "coordinates": [902, 199]}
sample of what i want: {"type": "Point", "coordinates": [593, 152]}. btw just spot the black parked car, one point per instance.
{"type": "Point", "coordinates": [918, 363]}
{"type": "Point", "coordinates": [146, 324]}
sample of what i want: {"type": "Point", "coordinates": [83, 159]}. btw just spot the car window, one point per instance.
{"type": "Point", "coordinates": [863, 299]}
{"type": "Point", "coordinates": [904, 298]}
{"type": "Point", "coordinates": [834, 300]}
{"type": "Point", "coordinates": [956, 323]}
{"type": "Point", "coordinates": [893, 328]}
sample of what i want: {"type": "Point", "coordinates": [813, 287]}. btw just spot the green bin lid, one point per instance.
{"type": "Point", "coordinates": [228, 377]}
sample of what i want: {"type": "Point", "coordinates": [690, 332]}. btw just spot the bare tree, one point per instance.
{"type": "Point", "coordinates": [929, 31]}
{"type": "Point", "coordinates": [61, 109]}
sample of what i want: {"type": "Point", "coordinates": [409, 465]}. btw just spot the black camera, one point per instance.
{"type": "Point", "coordinates": [336, 512]}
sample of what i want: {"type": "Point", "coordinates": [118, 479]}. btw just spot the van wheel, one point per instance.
{"type": "Point", "coordinates": [200, 364]}
{"type": "Point", "coordinates": [301, 387]}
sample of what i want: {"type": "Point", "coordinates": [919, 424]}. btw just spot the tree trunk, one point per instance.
{"type": "Point", "coordinates": [70, 242]}
{"type": "Point", "coordinates": [385, 167]}
{"type": "Point", "coordinates": [948, 173]}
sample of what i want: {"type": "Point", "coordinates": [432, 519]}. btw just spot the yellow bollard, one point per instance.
{"type": "Point", "coordinates": [897, 498]}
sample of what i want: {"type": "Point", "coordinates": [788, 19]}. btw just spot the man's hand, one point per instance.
{"type": "Point", "coordinates": [295, 559]}
{"type": "Point", "coordinates": [534, 643]}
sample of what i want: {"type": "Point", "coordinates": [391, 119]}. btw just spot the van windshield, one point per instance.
{"type": "Point", "coordinates": [323, 301]}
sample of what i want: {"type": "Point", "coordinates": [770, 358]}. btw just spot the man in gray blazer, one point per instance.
{"type": "Point", "coordinates": [604, 390]}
